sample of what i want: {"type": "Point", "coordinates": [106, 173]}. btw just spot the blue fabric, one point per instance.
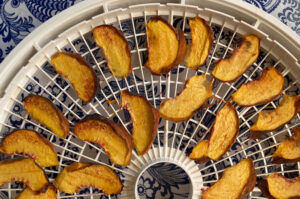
{"type": "Point", "coordinates": [20, 17]}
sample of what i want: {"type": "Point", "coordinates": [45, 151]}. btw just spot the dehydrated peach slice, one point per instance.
{"type": "Point", "coordinates": [115, 48]}
{"type": "Point", "coordinates": [260, 91]}
{"type": "Point", "coordinates": [42, 110]}
{"type": "Point", "coordinates": [166, 46]}
{"type": "Point", "coordinates": [288, 151]}
{"type": "Point", "coordinates": [115, 139]}
{"type": "Point", "coordinates": [79, 175]}
{"type": "Point", "coordinates": [145, 119]}
{"type": "Point", "coordinates": [277, 186]}
{"type": "Point", "coordinates": [202, 39]}
{"type": "Point", "coordinates": [23, 170]}
{"type": "Point", "coordinates": [78, 71]}
{"type": "Point", "coordinates": [28, 194]}
{"type": "Point", "coordinates": [197, 90]}
{"type": "Point", "coordinates": [31, 143]}
{"type": "Point", "coordinates": [223, 135]}
{"type": "Point", "coordinates": [269, 120]}
{"type": "Point", "coordinates": [228, 70]}
{"type": "Point", "coordinates": [236, 182]}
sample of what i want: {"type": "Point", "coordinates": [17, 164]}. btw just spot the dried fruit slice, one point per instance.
{"type": "Point", "coordinates": [28, 194]}
{"type": "Point", "coordinates": [23, 170]}
{"type": "Point", "coordinates": [115, 48]}
{"type": "Point", "coordinates": [31, 143]}
{"type": "Point", "coordinates": [202, 39]}
{"type": "Point", "coordinates": [197, 90]}
{"type": "Point", "coordinates": [228, 70]}
{"type": "Point", "coordinates": [42, 110]}
{"type": "Point", "coordinates": [223, 135]}
{"type": "Point", "coordinates": [270, 120]}
{"type": "Point", "coordinates": [288, 151]}
{"type": "Point", "coordinates": [79, 175]}
{"type": "Point", "coordinates": [236, 182]}
{"type": "Point", "coordinates": [260, 91]}
{"type": "Point", "coordinates": [81, 75]}
{"type": "Point", "coordinates": [145, 119]}
{"type": "Point", "coordinates": [166, 47]}
{"type": "Point", "coordinates": [277, 186]}
{"type": "Point", "coordinates": [115, 140]}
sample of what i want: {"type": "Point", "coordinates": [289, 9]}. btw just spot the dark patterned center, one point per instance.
{"type": "Point", "coordinates": [164, 181]}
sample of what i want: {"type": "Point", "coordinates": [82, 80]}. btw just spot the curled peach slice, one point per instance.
{"type": "Point", "coordinates": [166, 46]}
{"type": "Point", "coordinates": [42, 110]}
{"type": "Point", "coordinates": [31, 143]}
{"type": "Point", "coordinates": [197, 90]}
{"type": "Point", "coordinates": [115, 140]}
{"type": "Point", "coordinates": [28, 194]}
{"type": "Point", "coordinates": [260, 91]}
{"type": "Point", "coordinates": [145, 119]}
{"type": "Point", "coordinates": [23, 170]}
{"type": "Point", "coordinates": [277, 186]}
{"type": "Point", "coordinates": [202, 39]}
{"type": "Point", "coordinates": [236, 182]}
{"type": "Point", "coordinates": [79, 175]}
{"type": "Point", "coordinates": [270, 120]}
{"type": "Point", "coordinates": [223, 135]}
{"type": "Point", "coordinates": [115, 48]}
{"type": "Point", "coordinates": [288, 150]}
{"type": "Point", "coordinates": [228, 70]}
{"type": "Point", "coordinates": [76, 69]}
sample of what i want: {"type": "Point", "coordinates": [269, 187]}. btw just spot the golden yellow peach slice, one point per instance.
{"type": "Point", "coordinates": [277, 186]}
{"type": "Point", "coordinates": [228, 70]}
{"type": "Point", "coordinates": [236, 182]}
{"type": "Point", "coordinates": [80, 175]}
{"type": "Point", "coordinates": [23, 170]}
{"type": "Point", "coordinates": [166, 46]}
{"type": "Point", "coordinates": [42, 110]}
{"type": "Point", "coordinates": [196, 92]}
{"type": "Point", "coordinates": [114, 139]}
{"type": "Point", "coordinates": [223, 135]}
{"type": "Point", "coordinates": [202, 39]}
{"type": "Point", "coordinates": [260, 91]}
{"type": "Point", "coordinates": [269, 120]}
{"type": "Point", "coordinates": [78, 71]}
{"type": "Point", "coordinates": [28, 194]}
{"type": "Point", "coordinates": [145, 119]}
{"type": "Point", "coordinates": [115, 48]}
{"type": "Point", "coordinates": [30, 143]}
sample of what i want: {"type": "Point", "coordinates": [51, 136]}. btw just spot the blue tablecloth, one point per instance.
{"type": "Point", "coordinates": [20, 17]}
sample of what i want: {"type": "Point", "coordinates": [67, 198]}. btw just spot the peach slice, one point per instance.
{"type": "Point", "coordinates": [202, 39]}
{"type": "Point", "coordinates": [197, 90]}
{"type": "Point", "coordinates": [145, 119]}
{"type": "Point", "coordinates": [28, 194]}
{"type": "Point", "coordinates": [78, 71]}
{"type": "Point", "coordinates": [223, 135]}
{"type": "Point", "coordinates": [114, 139]}
{"type": "Point", "coordinates": [30, 143]}
{"type": "Point", "coordinates": [42, 110]}
{"type": "Point", "coordinates": [277, 186]}
{"type": "Point", "coordinates": [260, 91]}
{"type": "Point", "coordinates": [288, 150]}
{"type": "Point", "coordinates": [23, 170]}
{"type": "Point", "coordinates": [115, 48]}
{"type": "Point", "coordinates": [228, 70]}
{"type": "Point", "coordinates": [236, 182]}
{"type": "Point", "coordinates": [269, 120]}
{"type": "Point", "coordinates": [166, 46]}
{"type": "Point", "coordinates": [79, 175]}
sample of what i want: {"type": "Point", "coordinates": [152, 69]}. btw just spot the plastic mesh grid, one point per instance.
{"type": "Point", "coordinates": [172, 138]}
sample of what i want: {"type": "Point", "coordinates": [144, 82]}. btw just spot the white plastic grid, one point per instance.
{"type": "Point", "coordinates": [173, 139]}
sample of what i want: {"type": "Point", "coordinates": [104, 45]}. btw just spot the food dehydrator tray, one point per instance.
{"type": "Point", "coordinates": [27, 70]}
